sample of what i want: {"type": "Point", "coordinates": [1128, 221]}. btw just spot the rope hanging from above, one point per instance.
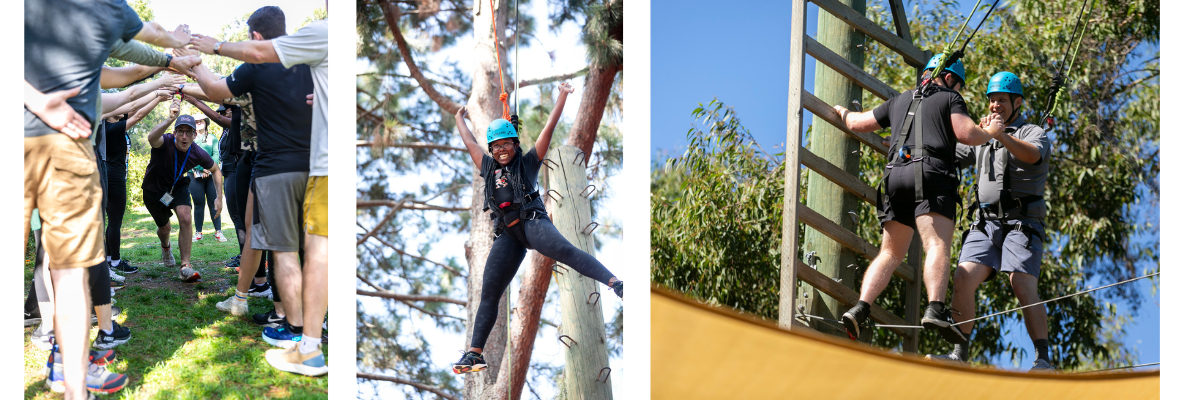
{"type": "Point", "coordinates": [496, 36]}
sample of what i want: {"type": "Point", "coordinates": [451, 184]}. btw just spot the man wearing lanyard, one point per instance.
{"type": "Point", "coordinates": [165, 187]}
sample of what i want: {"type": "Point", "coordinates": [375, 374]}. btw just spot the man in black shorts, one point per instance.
{"type": "Point", "coordinates": [920, 188]}
{"type": "Point", "coordinates": [165, 187]}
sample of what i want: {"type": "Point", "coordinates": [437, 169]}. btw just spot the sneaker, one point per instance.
{"type": "Point", "coordinates": [290, 360]}
{"type": "Point", "coordinates": [854, 320]}
{"type": "Point", "coordinates": [234, 261]}
{"type": "Point", "coordinates": [470, 362]}
{"type": "Point", "coordinates": [115, 284]}
{"type": "Point", "coordinates": [220, 238]}
{"type": "Point", "coordinates": [114, 276]}
{"type": "Point", "coordinates": [1042, 365]}
{"type": "Point", "coordinates": [168, 259]}
{"type": "Point", "coordinates": [952, 357]}
{"type": "Point", "coordinates": [198, 237]}
{"type": "Point", "coordinates": [188, 274]}
{"type": "Point", "coordinates": [263, 290]}
{"type": "Point", "coordinates": [118, 336]}
{"type": "Point", "coordinates": [43, 340]}
{"type": "Point", "coordinates": [112, 292]}
{"type": "Point", "coordinates": [281, 336]}
{"type": "Point", "coordinates": [619, 289]}
{"type": "Point", "coordinates": [124, 267]}
{"type": "Point", "coordinates": [234, 306]}
{"type": "Point", "coordinates": [944, 324]}
{"type": "Point", "coordinates": [100, 358]}
{"type": "Point", "coordinates": [268, 319]}
{"type": "Point", "coordinates": [99, 379]}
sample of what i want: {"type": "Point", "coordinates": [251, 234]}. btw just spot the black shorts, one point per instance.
{"type": "Point", "coordinates": [941, 195]}
{"type": "Point", "coordinates": [161, 212]}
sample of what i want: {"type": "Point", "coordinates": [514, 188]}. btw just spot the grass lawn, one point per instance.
{"type": "Point", "coordinates": [182, 346]}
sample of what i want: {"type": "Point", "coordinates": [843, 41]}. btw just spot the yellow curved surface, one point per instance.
{"type": "Point", "coordinates": [702, 352]}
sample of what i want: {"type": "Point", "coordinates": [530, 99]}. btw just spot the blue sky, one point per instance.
{"type": "Point", "coordinates": [704, 48]}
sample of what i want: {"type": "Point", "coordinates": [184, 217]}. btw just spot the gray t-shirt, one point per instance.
{"type": "Point", "coordinates": [310, 46]}
{"type": "Point", "coordinates": [66, 43]}
{"type": "Point", "coordinates": [994, 165]}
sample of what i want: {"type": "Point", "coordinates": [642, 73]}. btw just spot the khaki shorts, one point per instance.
{"type": "Point", "coordinates": [316, 206]}
{"type": "Point", "coordinates": [62, 181]}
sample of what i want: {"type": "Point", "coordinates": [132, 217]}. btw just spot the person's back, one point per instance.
{"type": "Point", "coordinates": [938, 136]}
{"type": "Point", "coordinates": [284, 119]}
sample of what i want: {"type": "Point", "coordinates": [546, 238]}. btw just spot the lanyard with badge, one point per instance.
{"type": "Point", "coordinates": [166, 199]}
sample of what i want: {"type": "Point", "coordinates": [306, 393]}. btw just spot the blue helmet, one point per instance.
{"type": "Point", "coordinates": [1005, 82]}
{"type": "Point", "coordinates": [500, 129]}
{"type": "Point", "coordinates": [956, 68]}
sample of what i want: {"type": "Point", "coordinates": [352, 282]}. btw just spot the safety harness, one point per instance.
{"type": "Point", "coordinates": [524, 193]}
{"type": "Point", "coordinates": [901, 155]}
{"type": "Point", "coordinates": [1001, 210]}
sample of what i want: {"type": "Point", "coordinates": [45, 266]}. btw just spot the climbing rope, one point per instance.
{"type": "Point", "coordinates": [949, 55]}
{"type": "Point", "coordinates": [1059, 79]}
{"type": "Point", "coordinates": [508, 364]}
{"type": "Point", "coordinates": [496, 36]}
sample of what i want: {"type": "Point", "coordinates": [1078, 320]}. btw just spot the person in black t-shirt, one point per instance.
{"type": "Point", "coordinates": [165, 188]}
{"type": "Point", "coordinates": [510, 187]}
{"type": "Point", "coordinates": [943, 122]}
{"type": "Point", "coordinates": [117, 163]}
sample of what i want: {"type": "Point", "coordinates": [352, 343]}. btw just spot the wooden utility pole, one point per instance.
{"type": "Point", "coordinates": [791, 194]}
{"type": "Point", "coordinates": [582, 333]}
{"type": "Point", "coordinates": [829, 143]}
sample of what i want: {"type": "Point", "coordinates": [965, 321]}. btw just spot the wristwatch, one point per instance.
{"type": "Point", "coordinates": [169, 58]}
{"type": "Point", "coordinates": [217, 48]}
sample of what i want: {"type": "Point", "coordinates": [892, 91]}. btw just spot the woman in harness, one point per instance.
{"type": "Point", "coordinates": [510, 180]}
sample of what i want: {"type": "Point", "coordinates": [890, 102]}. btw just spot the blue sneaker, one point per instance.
{"type": "Point", "coordinates": [281, 337]}
{"type": "Point", "coordinates": [290, 360]}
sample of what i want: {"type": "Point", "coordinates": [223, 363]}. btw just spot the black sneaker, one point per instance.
{"type": "Point", "coordinates": [234, 262]}
{"type": "Point", "coordinates": [263, 290]}
{"type": "Point", "coordinates": [267, 319]}
{"type": "Point", "coordinates": [124, 268]}
{"type": "Point", "coordinates": [118, 336]}
{"type": "Point", "coordinates": [115, 284]}
{"type": "Point", "coordinates": [855, 320]}
{"type": "Point", "coordinates": [470, 362]}
{"type": "Point", "coordinates": [944, 324]}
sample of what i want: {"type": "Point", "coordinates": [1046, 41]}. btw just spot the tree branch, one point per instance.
{"type": "Point", "coordinates": [442, 101]}
{"type": "Point", "coordinates": [380, 223]}
{"type": "Point", "coordinates": [555, 78]}
{"type": "Point", "coordinates": [421, 386]}
{"type": "Point", "coordinates": [415, 145]}
{"type": "Point", "coordinates": [411, 304]}
{"type": "Point", "coordinates": [408, 205]}
{"type": "Point", "coordinates": [401, 252]}
{"type": "Point", "coordinates": [409, 297]}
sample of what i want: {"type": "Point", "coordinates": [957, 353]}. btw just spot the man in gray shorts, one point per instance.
{"type": "Point", "coordinates": [1007, 233]}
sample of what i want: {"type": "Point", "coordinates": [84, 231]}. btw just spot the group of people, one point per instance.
{"type": "Point", "coordinates": [273, 174]}
{"type": "Point", "coordinates": [932, 136]}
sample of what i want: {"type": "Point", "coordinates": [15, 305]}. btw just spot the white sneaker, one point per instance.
{"type": "Point", "coordinates": [1042, 366]}
{"type": "Point", "coordinates": [115, 276]}
{"type": "Point", "coordinates": [198, 237]}
{"type": "Point", "coordinates": [234, 306]}
{"type": "Point", "coordinates": [220, 238]}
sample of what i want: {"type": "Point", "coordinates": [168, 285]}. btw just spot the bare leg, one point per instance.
{"type": "Point", "coordinates": [184, 213]}
{"type": "Point", "coordinates": [896, 237]}
{"type": "Point", "coordinates": [250, 257]}
{"type": "Point", "coordinates": [1025, 287]}
{"type": "Point", "coordinates": [316, 283]}
{"type": "Point", "coordinates": [290, 282]}
{"type": "Point", "coordinates": [967, 279]}
{"type": "Point", "coordinates": [71, 325]}
{"type": "Point", "coordinates": [936, 232]}
{"type": "Point", "coordinates": [104, 317]}
{"type": "Point", "coordinates": [164, 235]}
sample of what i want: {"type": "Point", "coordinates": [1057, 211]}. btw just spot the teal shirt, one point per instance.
{"type": "Point", "coordinates": [209, 145]}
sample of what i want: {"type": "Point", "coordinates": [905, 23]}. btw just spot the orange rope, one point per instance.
{"type": "Point", "coordinates": [503, 92]}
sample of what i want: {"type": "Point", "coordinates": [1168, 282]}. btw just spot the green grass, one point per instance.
{"type": "Point", "coordinates": [182, 346]}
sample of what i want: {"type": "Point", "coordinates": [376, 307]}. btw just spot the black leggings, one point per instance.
{"type": "Point", "coordinates": [114, 208]}
{"type": "Point", "coordinates": [505, 258]}
{"type": "Point", "coordinates": [204, 190]}
{"type": "Point", "coordinates": [235, 214]}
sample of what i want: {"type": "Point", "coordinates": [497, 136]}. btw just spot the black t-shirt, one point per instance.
{"type": "Point", "coordinates": [530, 164]}
{"type": "Point", "coordinates": [66, 43]}
{"type": "Point", "coordinates": [166, 161]}
{"type": "Point", "coordinates": [939, 139]}
{"type": "Point", "coordinates": [284, 118]}
{"type": "Point", "coordinates": [116, 142]}
{"type": "Point", "coordinates": [226, 145]}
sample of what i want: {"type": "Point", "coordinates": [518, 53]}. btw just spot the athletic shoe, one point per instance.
{"type": "Point", "coordinates": [124, 267]}
{"type": "Point", "coordinates": [281, 336]}
{"type": "Point", "coordinates": [220, 238]}
{"type": "Point", "coordinates": [233, 306]}
{"type": "Point", "coordinates": [118, 336]}
{"type": "Point", "coordinates": [115, 284]}
{"type": "Point", "coordinates": [268, 319]}
{"type": "Point", "coordinates": [619, 289]}
{"type": "Point", "coordinates": [100, 358]}
{"type": "Point", "coordinates": [113, 275]}
{"type": "Point", "coordinates": [99, 380]}
{"type": "Point", "coordinates": [188, 275]}
{"type": "Point", "coordinates": [168, 259]}
{"type": "Point", "coordinates": [33, 317]}
{"type": "Point", "coordinates": [115, 311]}
{"type": "Point", "coordinates": [470, 362]}
{"type": "Point", "coordinates": [290, 360]}
{"type": "Point", "coordinates": [198, 237]}
{"type": "Point", "coordinates": [112, 292]}
{"type": "Point", "coordinates": [855, 320]}
{"type": "Point", "coordinates": [43, 340]}
{"type": "Point", "coordinates": [263, 290]}
{"type": "Point", "coordinates": [1042, 365]}
{"type": "Point", "coordinates": [234, 261]}
{"type": "Point", "coordinates": [952, 357]}
{"type": "Point", "coordinates": [944, 324]}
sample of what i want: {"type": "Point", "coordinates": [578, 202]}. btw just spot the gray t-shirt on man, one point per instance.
{"type": "Point", "coordinates": [994, 165]}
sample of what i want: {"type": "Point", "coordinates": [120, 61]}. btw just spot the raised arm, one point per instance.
{"type": "Point", "coordinates": [214, 87]}
{"type": "Point", "coordinates": [54, 111]}
{"type": "Point", "coordinates": [469, 138]}
{"type": "Point", "coordinates": [543, 141]}
{"type": "Point", "coordinates": [156, 135]}
{"type": "Point", "coordinates": [155, 98]}
{"type": "Point", "coordinates": [155, 34]}
{"type": "Point", "coordinates": [221, 120]}
{"type": "Point", "coordinates": [111, 77]}
{"type": "Point", "coordinates": [112, 101]}
{"type": "Point", "coordinates": [251, 51]}
{"type": "Point", "coordinates": [161, 94]}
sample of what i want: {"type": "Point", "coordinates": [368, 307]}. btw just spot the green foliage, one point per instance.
{"type": "Point", "coordinates": [1102, 189]}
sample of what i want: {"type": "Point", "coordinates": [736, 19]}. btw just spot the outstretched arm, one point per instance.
{"type": "Point", "coordinates": [973, 135]}
{"type": "Point", "coordinates": [161, 94]}
{"type": "Point", "coordinates": [861, 122]}
{"type": "Point", "coordinates": [469, 138]}
{"type": "Point", "coordinates": [155, 98]}
{"type": "Point", "coordinates": [251, 51]}
{"type": "Point", "coordinates": [111, 77]}
{"type": "Point", "coordinates": [155, 34]}
{"type": "Point", "coordinates": [112, 101]}
{"type": "Point", "coordinates": [543, 141]}
{"type": "Point", "coordinates": [156, 135]}
{"type": "Point", "coordinates": [213, 86]}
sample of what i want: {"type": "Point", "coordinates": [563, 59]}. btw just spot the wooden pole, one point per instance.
{"type": "Point", "coordinates": [791, 192]}
{"type": "Point", "coordinates": [829, 143]}
{"type": "Point", "coordinates": [579, 296]}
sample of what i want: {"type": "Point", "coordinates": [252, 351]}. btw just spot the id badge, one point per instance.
{"type": "Point", "coordinates": [166, 199]}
